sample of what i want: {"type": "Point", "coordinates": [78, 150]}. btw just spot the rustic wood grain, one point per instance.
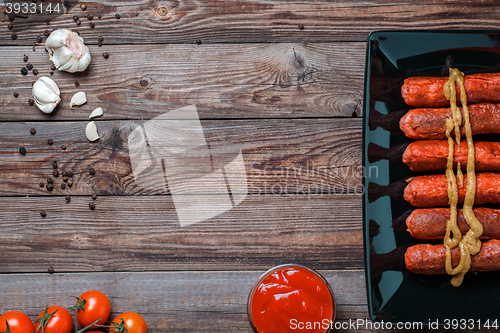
{"type": "Point", "coordinates": [143, 234]}
{"type": "Point", "coordinates": [184, 301]}
{"type": "Point", "coordinates": [278, 80]}
{"type": "Point", "coordinates": [212, 21]}
{"type": "Point", "coordinates": [280, 156]}
{"type": "Point", "coordinates": [171, 301]}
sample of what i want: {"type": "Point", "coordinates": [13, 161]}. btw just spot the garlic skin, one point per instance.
{"type": "Point", "coordinates": [96, 113]}
{"type": "Point", "coordinates": [46, 94]}
{"type": "Point", "coordinates": [78, 99]}
{"type": "Point", "coordinates": [67, 51]}
{"type": "Point", "coordinates": [91, 131]}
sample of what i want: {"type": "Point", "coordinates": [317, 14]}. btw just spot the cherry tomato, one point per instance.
{"type": "Point", "coordinates": [55, 319]}
{"type": "Point", "coordinates": [18, 322]}
{"type": "Point", "coordinates": [91, 306]}
{"type": "Point", "coordinates": [132, 321]}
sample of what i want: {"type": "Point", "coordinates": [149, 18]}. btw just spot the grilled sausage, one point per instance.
{"type": "Point", "coordinates": [430, 223]}
{"type": "Point", "coordinates": [429, 259]}
{"type": "Point", "coordinates": [425, 91]}
{"type": "Point", "coordinates": [432, 190]}
{"type": "Point", "coordinates": [432, 155]}
{"type": "Point", "coordinates": [429, 123]}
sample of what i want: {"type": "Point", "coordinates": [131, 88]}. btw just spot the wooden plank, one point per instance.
{"type": "Point", "coordinates": [143, 234]}
{"type": "Point", "coordinates": [280, 156]}
{"type": "Point", "coordinates": [226, 21]}
{"type": "Point", "coordinates": [278, 80]}
{"type": "Point", "coordinates": [170, 301]}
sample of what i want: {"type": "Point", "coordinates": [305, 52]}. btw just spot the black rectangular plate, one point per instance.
{"type": "Point", "coordinates": [394, 294]}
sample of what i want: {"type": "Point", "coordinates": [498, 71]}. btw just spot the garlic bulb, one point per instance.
{"type": "Point", "coordinates": [67, 51]}
{"type": "Point", "coordinates": [78, 99]}
{"type": "Point", "coordinates": [46, 94]}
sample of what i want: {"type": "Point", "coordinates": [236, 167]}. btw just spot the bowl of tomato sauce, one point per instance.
{"type": "Point", "coordinates": [291, 298]}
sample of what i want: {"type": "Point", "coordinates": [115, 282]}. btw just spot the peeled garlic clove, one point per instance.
{"type": "Point", "coordinates": [96, 113]}
{"type": "Point", "coordinates": [91, 131]}
{"type": "Point", "coordinates": [67, 51]}
{"type": "Point", "coordinates": [78, 99]}
{"type": "Point", "coordinates": [46, 94]}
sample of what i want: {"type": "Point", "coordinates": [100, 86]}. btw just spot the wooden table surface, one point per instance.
{"type": "Point", "coordinates": [283, 80]}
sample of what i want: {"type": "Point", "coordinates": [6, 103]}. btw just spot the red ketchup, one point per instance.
{"type": "Point", "coordinates": [291, 298]}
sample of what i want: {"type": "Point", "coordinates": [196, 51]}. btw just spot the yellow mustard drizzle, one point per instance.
{"type": "Point", "coordinates": [470, 243]}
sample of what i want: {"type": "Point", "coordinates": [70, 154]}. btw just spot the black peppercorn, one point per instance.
{"type": "Point", "coordinates": [143, 82]}
{"type": "Point", "coordinates": [25, 58]}
{"type": "Point", "coordinates": [50, 181]}
{"type": "Point", "coordinates": [50, 142]}
{"type": "Point", "coordinates": [63, 186]}
{"type": "Point", "coordinates": [65, 178]}
{"type": "Point", "coordinates": [10, 26]}
{"type": "Point", "coordinates": [55, 173]}
{"type": "Point", "coordinates": [92, 25]}
{"type": "Point", "coordinates": [39, 39]}
{"type": "Point", "coordinates": [77, 84]}
{"type": "Point", "coordinates": [92, 171]}
{"type": "Point", "coordinates": [92, 205]}
{"type": "Point", "coordinates": [50, 187]}
{"type": "Point", "coordinates": [24, 71]}
{"type": "Point", "coordinates": [50, 270]}
{"type": "Point", "coordinates": [46, 33]}
{"type": "Point", "coordinates": [63, 147]}
{"type": "Point", "coordinates": [69, 174]}
{"type": "Point", "coordinates": [117, 16]}
{"type": "Point", "coordinates": [105, 55]}
{"type": "Point", "coordinates": [78, 22]}
{"type": "Point", "coordinates": [13, 36]}
{"type": "Point", "coordinates": [41, 184]}
{"type": "Point", "coordinates": [51, 73]}
{"type": "Point", "coordinates": [83, 6]}
{"type": "Point", "coordinates": [22, 151]}
{"type": "Point", "coordinates": [32, 131]}
{"type": "Point", "coordinates": [100, 38]}
{"type": "Point", "coordinates": [35, 71]}
{"type": "Point", "coordinates": [198, 42]}
{"type": "Point", "coordinates": [54, 164]}
{"type": "Point", "coordinates": [16, 94]}
{"type": "Point", "coordinates": [43, 213]}
{"type": "Point", "coordinates": [67, 198]}
{"type": "Point", "coordinates": [29, 67]}
{"type": "Point", "coordinates": [99, 43]}
{"type": "Point", "coordinates": [53, 67]}
{"type": "Point", "coordinates": [89, 16]}
{"type": "Point", "coordinates": [31, 102]}
{"type": "Point", "coordinates": [301, 26]}
{"type": "Point", "coordinates": [70, 183]}
{"type": "Point", "coordinates": [94, 196]}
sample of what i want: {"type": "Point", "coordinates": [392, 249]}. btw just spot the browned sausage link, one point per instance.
{"type": "Point", "coordinates": [431, 155]}
{"type": "Point", "coordinates": [429, 259]}
{"type": "Point", "coordinates": [430, 223]}
{"type": "Point", "coordinates": [432, 190]}
{"type": "Point", "coordinates": [425, 91]}
{"type": "Point", "coordinates": [429, 123]}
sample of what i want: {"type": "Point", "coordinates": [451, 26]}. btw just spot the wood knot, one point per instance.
{"type": "Point", "coordinates": [162, 11]}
